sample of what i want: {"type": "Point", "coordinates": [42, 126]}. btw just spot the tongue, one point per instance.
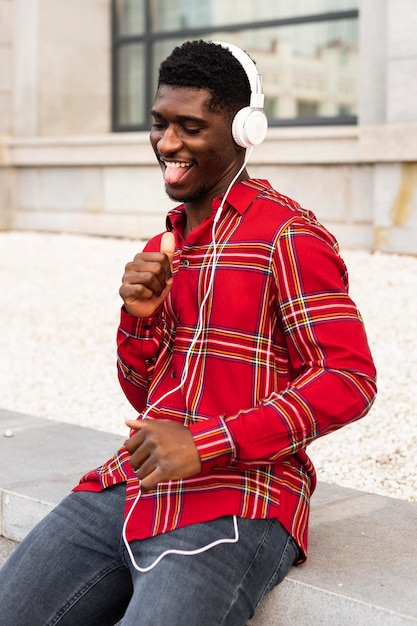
{"type": "Point", "coordinates": [173, 175]}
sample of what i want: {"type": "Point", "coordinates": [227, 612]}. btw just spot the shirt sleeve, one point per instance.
{"type": "Point", "coordinates": [332, 375]}
{"type": "Point", "coordinates": [138, 345]}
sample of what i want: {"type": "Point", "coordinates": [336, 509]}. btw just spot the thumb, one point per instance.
{"type": "Point", "coordinates": [168, 245]}
{"type": "Point", "coordinates": [168, 248]}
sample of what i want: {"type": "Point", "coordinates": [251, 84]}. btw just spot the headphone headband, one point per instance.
{"type": "Point", "coordinates": [250, 124]}
{"type": "Point", "coordinates": [254, 78]}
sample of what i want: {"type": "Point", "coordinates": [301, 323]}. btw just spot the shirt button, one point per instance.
{"type": "Point", "coordinates": [173, 374]}
{"type": "Point", "coordinates": [186, 263]}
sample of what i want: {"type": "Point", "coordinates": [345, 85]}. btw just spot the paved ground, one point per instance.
{"type": "Point", "coordinates": [361, 567]}
{"type": "Point", "coordinates": [71, 376]}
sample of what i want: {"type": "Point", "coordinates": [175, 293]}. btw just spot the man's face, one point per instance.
{"type": "Point", "coordinates": [193, 145]}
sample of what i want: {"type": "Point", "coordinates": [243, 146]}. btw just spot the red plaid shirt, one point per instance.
{"type": "Point", "coordinates": [283, 359]}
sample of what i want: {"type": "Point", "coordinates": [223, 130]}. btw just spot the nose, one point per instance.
{"type": "Point", "coordinates": [169, 141]}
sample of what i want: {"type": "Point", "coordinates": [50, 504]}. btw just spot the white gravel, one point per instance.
{"type": "Point", "coordinates": [59, 311]}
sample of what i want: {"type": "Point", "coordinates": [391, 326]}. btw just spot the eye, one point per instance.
{"type": "Point", "coordinates": [158, 125]}
{"type": "Point", "coordinates": [191, 131]}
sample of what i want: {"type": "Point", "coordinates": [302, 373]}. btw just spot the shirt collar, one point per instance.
{"type": "Point", "coordinates": [240, 197]}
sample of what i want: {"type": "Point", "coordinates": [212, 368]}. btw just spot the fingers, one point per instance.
{"type": "Point", "coordinates": [161, 450]}
{"type": "Point", "coordinates": [143, 456]}
{"type": "Point", "coordinates": [149, 475]}
{"type": "Point", "coordinates": [134, 424]}
{"type": "Point", "coordinates": [137, 439]}
{"type": "Point", "coordinates": [147, 273]}
{"type": "Point", "coordinates": [151, 480]}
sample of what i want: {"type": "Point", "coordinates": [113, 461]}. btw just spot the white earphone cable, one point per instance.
{"type": "Point", "coordinates": [199, 329]}
{"type": "Point", "coordinates": [204, 548]}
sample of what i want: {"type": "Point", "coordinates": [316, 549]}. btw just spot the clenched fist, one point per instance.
{"type": "Point", "coordinates": [148, 279]}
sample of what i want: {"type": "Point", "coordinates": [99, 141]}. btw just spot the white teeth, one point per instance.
{"type": "Point", "coordinates": [176, 164]}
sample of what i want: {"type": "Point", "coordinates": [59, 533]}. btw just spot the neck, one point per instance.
{"type": "Point", "coordinates": [192, 221]}
{"type": "Point", "coordinates": [197, 210]}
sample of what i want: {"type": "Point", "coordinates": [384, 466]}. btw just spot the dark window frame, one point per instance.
{"type": "Point", "coordinates": [149, 38]}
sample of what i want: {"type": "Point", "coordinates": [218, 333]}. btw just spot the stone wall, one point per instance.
{"type": "Point", "coordinates": [62, 169]}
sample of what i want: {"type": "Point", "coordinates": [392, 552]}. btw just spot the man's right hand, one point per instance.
{"type": "Point", "coordinates": [148, 279]}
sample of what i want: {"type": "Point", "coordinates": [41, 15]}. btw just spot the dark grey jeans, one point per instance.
{"type": "Point", "coordinates": [73, 569]}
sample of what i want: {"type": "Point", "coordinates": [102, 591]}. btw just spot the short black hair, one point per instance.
{"type": "Point", "coordinates": [206, 65]}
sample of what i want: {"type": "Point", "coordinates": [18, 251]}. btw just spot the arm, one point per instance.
{"type": "Point", "coordinates": [332, 372]}
{"type": "Point", "coordinates": [146, 282]}
{"type": "Point", "coordinates": [332, 375]}
{"type": "Point", "coordinates": [161, 450]}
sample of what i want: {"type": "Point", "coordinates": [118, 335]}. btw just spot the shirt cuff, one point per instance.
{"type": "Point", "coordinates": [214, 443]}
{"type": "Point", "coordinates": [138, 327]}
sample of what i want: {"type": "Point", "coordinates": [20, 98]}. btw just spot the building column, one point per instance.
{"type": "Point", "coordinates": [25, 70]}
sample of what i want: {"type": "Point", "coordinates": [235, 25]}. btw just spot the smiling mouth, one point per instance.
{"type": "Point", "coordinates": [174, 171]}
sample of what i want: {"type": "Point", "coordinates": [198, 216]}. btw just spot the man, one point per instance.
{"type": "Point", "coordinates": [238, 345]}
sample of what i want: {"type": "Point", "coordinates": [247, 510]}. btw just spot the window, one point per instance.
{"type": "Point", "coordinates": [307, 52]}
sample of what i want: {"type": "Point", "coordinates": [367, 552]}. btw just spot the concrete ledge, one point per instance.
{"type": "Point", "coordinates": [361, 567]}
{"type": "Point", "coordinates": [40, 463]}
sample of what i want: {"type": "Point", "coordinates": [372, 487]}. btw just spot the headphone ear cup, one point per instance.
{"type": "Point", "coordinates": [249, 127]}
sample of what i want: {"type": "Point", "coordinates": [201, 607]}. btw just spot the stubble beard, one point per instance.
{"type": "Point", "coordinates": [193, 196]}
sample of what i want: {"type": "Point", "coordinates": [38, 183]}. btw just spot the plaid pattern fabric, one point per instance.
{"type": "Point", "coordinates": [282, 359]}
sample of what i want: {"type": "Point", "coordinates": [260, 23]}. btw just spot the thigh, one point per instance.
{"type": "Point", "coordinates": [220, 586]}
{"type": "Point", "coordinates": [66, 569]}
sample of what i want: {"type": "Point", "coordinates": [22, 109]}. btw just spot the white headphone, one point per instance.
{"type": "Point", "coordinates": [250, 124]}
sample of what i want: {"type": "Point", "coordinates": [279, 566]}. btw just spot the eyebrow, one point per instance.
{"type": "Point", "coordinates": [181, 118]}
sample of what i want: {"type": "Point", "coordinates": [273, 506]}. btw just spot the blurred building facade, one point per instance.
{"type": "Point", "coordinates": [340, 78]}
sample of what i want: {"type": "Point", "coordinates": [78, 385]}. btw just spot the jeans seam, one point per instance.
{"type": "Point", "coordinates": [277, 577]}
{"type": "Point", "coordinates": [248, 574]}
